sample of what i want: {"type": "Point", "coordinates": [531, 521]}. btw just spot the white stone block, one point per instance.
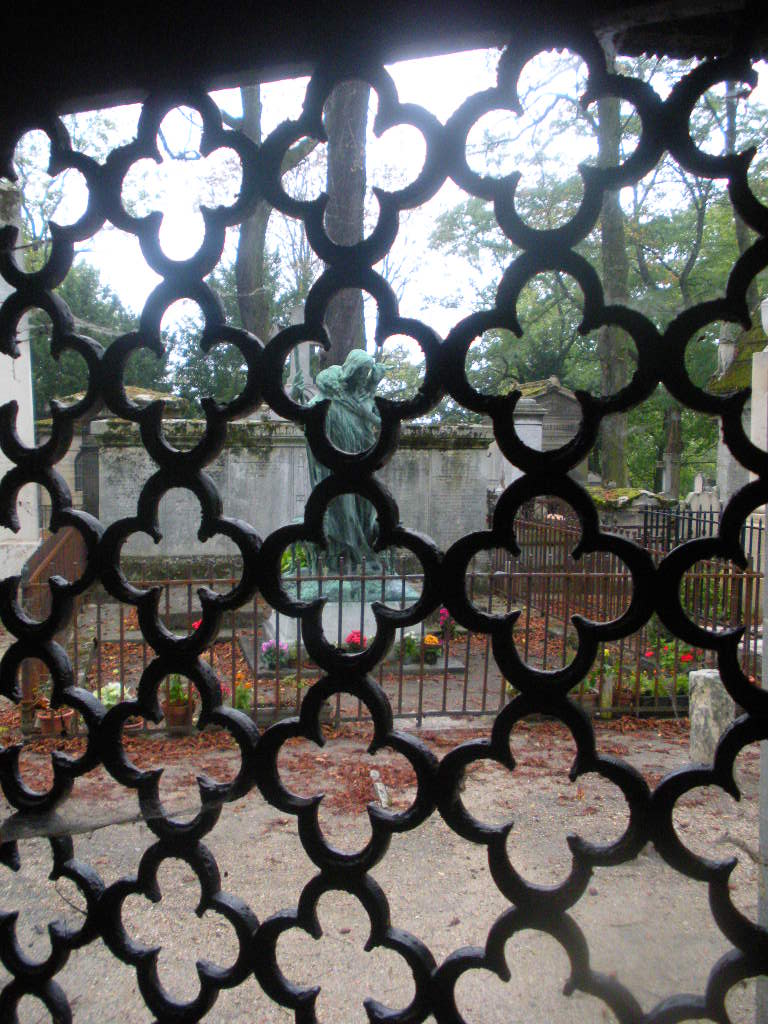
{"type": "Point", "coordinates": [711, 711]}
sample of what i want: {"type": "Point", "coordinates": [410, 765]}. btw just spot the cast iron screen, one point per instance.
{"type": "Point", "coordinates": [655, 587]}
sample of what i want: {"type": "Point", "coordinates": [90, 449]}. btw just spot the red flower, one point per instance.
{"type": "Point", "coordinates": [649, 654]}
{"type": "Point", "coordinates": [686, 657]}
{"type": "Point", "coordinates": [196, 625]}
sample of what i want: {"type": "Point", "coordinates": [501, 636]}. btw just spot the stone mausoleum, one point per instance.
{"type": "Point", "coordinates": [445, 479]}
{"type": "Point", "coordinates": [440, 477]}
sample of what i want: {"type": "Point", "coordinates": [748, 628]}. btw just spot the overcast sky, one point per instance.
{"type": "Point", "coordinates": [433, 281]}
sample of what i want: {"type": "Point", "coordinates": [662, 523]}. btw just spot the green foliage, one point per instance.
{"type": "Point", "coordinates": [221, 372]}
{"type": "Point", "coordinates": [681, 241]}
{"type": "Point", "coordinates": [647, 438]}
{"type": "Point", "coordinates": [110, 695]}
{"type": "Point", "coordinates": [293, 559]}
{"type": "Point", "coordinates": [99, 314]}
{"type": "Point", "coordinates": [410, 646]}
{"type": "Point", "coordinates": [549, 308]}
{"type": "Point", "coordinates": [243, 698]}
{"type": "Point", "coordinates": [178, 689]}
{"type": "Point", "coordinates": [402, 377]}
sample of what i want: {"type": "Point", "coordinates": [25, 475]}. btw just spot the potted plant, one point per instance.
{"type": "Point", "coordinates": [179, 705]}
{"type": "Point", "coordinates": [410, 647]}
{"type": "Point", "coordinates": [447, 625]}
{"type": "Point", "coordinates": [433, 648]}
{"type": "Point", "coordinates": [354, 642]}
{"type": "Point", "coordinates": [273, 653]}
{"type": "Point", "coordinates": [111, 695]}
{"type": "Point", "coordinates": [54, 721]}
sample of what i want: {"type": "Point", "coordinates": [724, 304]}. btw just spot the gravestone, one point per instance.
{"type": "Point", "coordinates": [711, 710]}
{"type": "Point", "coordinates": [704, 498]}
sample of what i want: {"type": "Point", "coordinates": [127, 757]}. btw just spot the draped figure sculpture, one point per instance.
{"type": "Point", "coordinates": [352, 424]}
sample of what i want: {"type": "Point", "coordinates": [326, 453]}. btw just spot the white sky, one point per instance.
{"type": "Point", "coordinates": [433, 280]}
{"type": "Point", "coordinates": [440, 84]}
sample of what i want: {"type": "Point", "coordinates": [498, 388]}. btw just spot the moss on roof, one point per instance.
{"type": "Point", "coordinates": [133, 392]}
{"type": "Point", "coordinates": [534, 388]}
{"type": "Point", "coordinates": [739, 374]}
{"type": "Point", "coordinates": [618, 497]}
{"type": "Point", "coordinates": [138, 395]}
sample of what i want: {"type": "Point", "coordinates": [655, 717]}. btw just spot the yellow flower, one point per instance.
{"type": "Point", "coordinates": [430, 640]}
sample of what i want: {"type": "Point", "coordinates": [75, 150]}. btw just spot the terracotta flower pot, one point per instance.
{"type": "Point", "coordinates": [55, 723]}
{"type": "Point", "coordinates": [45, 719]}
{"type": "Point", "coordinates": [178, 717]}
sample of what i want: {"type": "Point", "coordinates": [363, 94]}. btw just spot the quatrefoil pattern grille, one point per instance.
{"type": "Point", "coordinates": [655, 588]}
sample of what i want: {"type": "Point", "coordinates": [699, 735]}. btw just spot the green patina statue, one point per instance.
{"type": "Point", "coordinates": [352, 424]}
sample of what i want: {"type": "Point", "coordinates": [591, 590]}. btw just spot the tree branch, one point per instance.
{"type": "Point", "coordinates": [231, 121]}
{"type": "Point", "coordinates": [296, 154]}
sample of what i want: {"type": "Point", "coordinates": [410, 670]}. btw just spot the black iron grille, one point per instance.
{"type": "Point", "coordinates": [655, 587]}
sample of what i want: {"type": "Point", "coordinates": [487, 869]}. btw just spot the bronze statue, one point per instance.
{"type": "Point", "coordinates": [352, 424]}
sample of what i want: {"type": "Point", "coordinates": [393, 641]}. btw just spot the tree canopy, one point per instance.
{"type": "Point", "coordinates": [661, 246]}
{"type": "Point", "coordinates": [665, 244]}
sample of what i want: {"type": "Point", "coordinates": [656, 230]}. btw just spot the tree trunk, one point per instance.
{"type": "Point", "coordinates": [253, 286]}
{"type": "Point", "coordinates": [611, 346]}
{"type": "Point", "coordinates": [673, 451]}
{"type": "Point", "coordinates": [252, 298]}
{"type": "Point", "coordinates": [346, 117]}
{"type": "Point", "coordinates": [252, 294]}
{"type": "Point", "coordinates": [742, 231]}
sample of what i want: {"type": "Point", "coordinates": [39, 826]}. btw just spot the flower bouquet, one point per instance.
{"type": "Point", "coordinates": [433, 648]}
{"type": "Point", "coordinates": [354, 642]}
{"type": "Point", "coordinates": [273, 654]}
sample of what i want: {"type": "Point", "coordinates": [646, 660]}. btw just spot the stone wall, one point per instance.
{"type": "Point", "coordinates": [439, 476]}
{"type": "Point", "coordinates": [16, 386]}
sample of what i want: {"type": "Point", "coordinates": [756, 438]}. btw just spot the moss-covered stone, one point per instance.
{"type": "Point", "coordinates": [175, 568]}
{"type": "Point", "coordinates": [445, 438]}
{"type": "Point", "coordinates": [268, 433]}
{"type": "Point", "coordinates": [739, 374]}
{"type": "Point", "coordinates": [621, 497]}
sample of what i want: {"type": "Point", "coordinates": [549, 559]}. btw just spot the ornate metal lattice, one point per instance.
{"type": "Point", "coordinates": [655, 588]}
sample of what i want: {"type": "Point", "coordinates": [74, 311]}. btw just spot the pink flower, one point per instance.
{"type": "Point", "coordinates": [649, 654]}
{"type": "Point", "coordinates": [270, 645]}
{"type": "Point", "coordinates": [196, 625]}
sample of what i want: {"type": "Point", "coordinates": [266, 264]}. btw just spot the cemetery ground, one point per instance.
{"type": "Point", "coordinates": [643, 921]}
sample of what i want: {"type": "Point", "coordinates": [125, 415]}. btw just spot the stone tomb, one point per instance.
{"type": "Point", "coordinates": [440, 477]}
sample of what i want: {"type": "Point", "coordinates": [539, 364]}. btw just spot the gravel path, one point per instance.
{"type": "Point", "coordinates": [644, 922]}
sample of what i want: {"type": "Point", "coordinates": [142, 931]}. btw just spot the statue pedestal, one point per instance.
{"type": "Point", "coordinates": [347, 608]}
{"type": "Point", "coordinates": [347, 614]}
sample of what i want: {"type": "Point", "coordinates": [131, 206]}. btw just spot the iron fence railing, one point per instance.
{"type": "Point", "coordinates": [663, 529]}
{"type": "Point", "coordinates": [263, 666]}
{"type": "Point", "coordinates": [60, 554]}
